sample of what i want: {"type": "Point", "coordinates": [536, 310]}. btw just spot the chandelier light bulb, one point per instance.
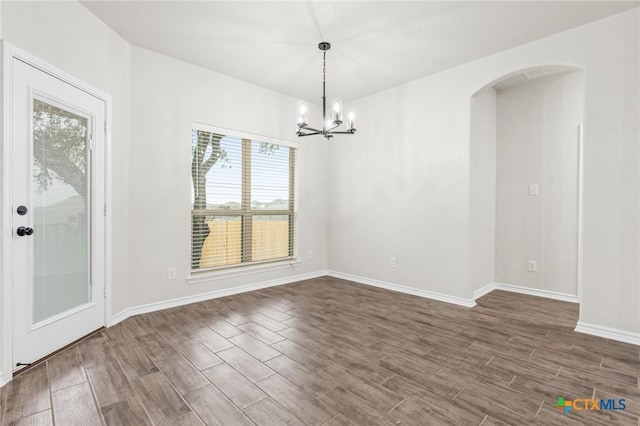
{"type": "Point", "coordinates": [303, 121]}
{"type": "Point", "coordinates": [336, 110]}
{"type": "Point", "coordinates": [352, 121]}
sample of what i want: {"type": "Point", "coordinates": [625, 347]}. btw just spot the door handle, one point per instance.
{"type": "Point", "coordinates": [22, 231]}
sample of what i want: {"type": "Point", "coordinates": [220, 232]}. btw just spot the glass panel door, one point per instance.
{"type": "Point", "coordinates": [61, 210]}
{"type": "Point", "coordinates": [58, 171]}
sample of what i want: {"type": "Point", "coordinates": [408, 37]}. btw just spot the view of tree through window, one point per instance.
{"type": "Point", "coordinates": [242, 200]}
{"type": "Point", "coordinates": [60, 209]}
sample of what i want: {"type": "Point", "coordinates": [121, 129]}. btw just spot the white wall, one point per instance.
{"type": "Point", "coordinates": [167, 95]}
{"type": "Point", "coordinates": [401, 186]}
{"type": "Point", "coordinates": [537, 143]}
{"type": "Point", "coordinates": [482, 183]}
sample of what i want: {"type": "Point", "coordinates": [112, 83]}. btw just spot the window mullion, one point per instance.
{"type": "Point", "coordinates": [292, 173]}
{"type": "Point", "coordinates": [247, 219]}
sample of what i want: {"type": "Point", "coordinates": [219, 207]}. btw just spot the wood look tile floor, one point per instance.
{"type": "Point", "coordinates": [331, 352]}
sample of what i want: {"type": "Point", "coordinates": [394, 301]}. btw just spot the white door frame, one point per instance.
{"type": "Point", "coordinates": [11, 53]}
{"type": "Point", "coordinates": [580, 202]}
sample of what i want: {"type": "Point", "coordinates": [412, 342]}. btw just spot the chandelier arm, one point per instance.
{"type": "Point", "coordinates": [348, 132]}
{"type": "Point", "coordinates": [334, 127]}
{"type": "Point", "coordinates": [309, 134]}
{"type": "Point", "coordinates": [311, 129]}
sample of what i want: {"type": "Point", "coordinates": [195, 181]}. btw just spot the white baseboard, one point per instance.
{"type": "Point", "coordinates": [468, 303]}
{"type": "Point", "coordinates": [166, 304]}
{"type": "Point", "coordinates": [581, 327]}
{"type": "Point", "coordinates": [484, 290]}
{"type": "Point", "coordinates": [524, 290]}
{"type": "Point", "coordinates": [2, 380]}
{"type": "Point", "coordinates": [608, 333]}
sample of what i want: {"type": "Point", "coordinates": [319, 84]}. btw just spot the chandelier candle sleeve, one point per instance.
{"type": "Point", "coordinates": [336, 111]}
{"type": "Point", "coordinates": [331, 123]}
{"type": "Point", "coordinates": [303, 121]}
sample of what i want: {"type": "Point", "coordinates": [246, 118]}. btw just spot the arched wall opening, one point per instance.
{"type": "Point", "coordinates": [525, 183]}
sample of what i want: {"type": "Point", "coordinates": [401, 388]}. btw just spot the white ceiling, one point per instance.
{"type": "Point", "coordinates": [375, 45]}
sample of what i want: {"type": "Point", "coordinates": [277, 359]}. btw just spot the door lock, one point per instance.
{"type": "Point", "coordinates": [22, 231]}
{"type": "Point", "coordinates": [22, 210]}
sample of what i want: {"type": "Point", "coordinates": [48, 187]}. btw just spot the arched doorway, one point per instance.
{"type": "Point", "coordinates": [525, 168]}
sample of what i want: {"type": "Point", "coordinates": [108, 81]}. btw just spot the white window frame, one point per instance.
{"type": "Point", "coordinates": [208, 274]}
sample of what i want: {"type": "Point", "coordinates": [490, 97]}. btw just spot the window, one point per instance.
{"type": "Point", "coordinates": [242, 199]}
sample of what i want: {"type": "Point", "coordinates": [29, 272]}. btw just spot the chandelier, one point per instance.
{"type": "Point", "coordinates": [329, 125]}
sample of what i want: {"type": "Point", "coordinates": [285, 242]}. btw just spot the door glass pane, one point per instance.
{"type": "Point", "coordinates": [61, 201]}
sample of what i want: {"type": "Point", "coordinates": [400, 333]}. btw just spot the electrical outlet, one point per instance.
{"type": "Point", "coordinates": [392, 262]}
{"type": "Point", "coordinates": [533, 189]}
{"type": "Point", "coordinates": [533, 266]}
{"type": "Point", "coordinates": [171, 273]}
{"type": "Point", "coordinates": [310, 254]}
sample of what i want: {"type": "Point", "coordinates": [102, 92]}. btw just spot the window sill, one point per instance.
{"type": "Point", "coordinates": [197, 278]}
